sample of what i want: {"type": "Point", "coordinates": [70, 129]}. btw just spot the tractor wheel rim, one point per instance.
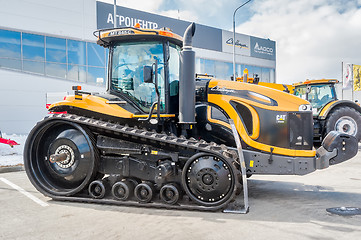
{"type": "Point", "coordinates": [346, 125]}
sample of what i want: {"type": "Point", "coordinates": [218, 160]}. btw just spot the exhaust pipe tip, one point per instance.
{"type": "Point", "coordinates": [188, 35]}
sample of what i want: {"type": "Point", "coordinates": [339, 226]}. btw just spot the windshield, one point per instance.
{"type": "Point", "coordinates": [174, 69]}
{"type": "Point", "coordinates": [317, 95]}
{"type": "Point", "coordinates": [301, 92]}
{"type": "Point", "coordinates": [127, 72]}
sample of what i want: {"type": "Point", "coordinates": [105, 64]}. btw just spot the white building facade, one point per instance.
{"type": "Point", "coordinates": [48, 46]}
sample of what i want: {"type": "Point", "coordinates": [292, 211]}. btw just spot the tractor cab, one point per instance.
{"type": "Point", "coordinates": [144, 66]}
{"type": "Point", "coordinates": [317, 92]}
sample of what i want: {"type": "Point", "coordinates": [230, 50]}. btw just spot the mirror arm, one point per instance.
{"type": "Point", "coordinates": [157, 103]}
{"type": "Point", "coordinates": [156, 88]}
{"type": "Point", "coordinates": [150, 113]}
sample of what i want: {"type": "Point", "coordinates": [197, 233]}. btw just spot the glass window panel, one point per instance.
{"type": "Point", "coordinates": [76, 52]}
{"type": "Point", "coordinates": [272, 75]}
{"type": "Point", "coordinates": [173, 63]}
{"type": "Point", "coordinates": [56, 70]}
{"type": "Point", "coordinates": [34, 67]}
{"type": "Point", "coordinates": [10, 63]}
{"type": "Point", "coordinates": [198, 66]}
{"type": "Point", "coordinates": [106, 57]}
{"type": "Point", "coordinates": [127, 72]}
{"type": "Point", "coordinates": [239, 70]}
{"type": "Point", "coordinates": [55, 50]}
{"type": "Point", "coordinates": [207, 67]}
{"type": "Point", "coordinates": [250, 70]}
{"type": "Point", "coordinates": [96, 75]}
{"type": "Point", "coordinates": [10, 44]}
{"type": "Point", "coordinates": [76, 73]}
{"type": "Point", "coordinates": [224, 70]}
{"type": "Point", "coordinates": [33, 47]}
{"type": "Point", "coordinates": [96, 55]}
{"type": "Point", "coordinates": [265, 77]}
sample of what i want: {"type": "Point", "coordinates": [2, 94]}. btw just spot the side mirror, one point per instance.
{"type": "Point", "coordinates": [148, 74]}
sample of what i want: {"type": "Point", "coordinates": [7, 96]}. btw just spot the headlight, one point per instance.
{"type": "Point", "coordinates": [305, 108]}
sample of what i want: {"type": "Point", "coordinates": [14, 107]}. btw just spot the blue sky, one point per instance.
{"type": "Point", "coordinates": [313, 37]}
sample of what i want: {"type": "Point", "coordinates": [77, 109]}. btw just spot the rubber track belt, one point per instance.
{"type": "Point", "coordinates": [163, 139]}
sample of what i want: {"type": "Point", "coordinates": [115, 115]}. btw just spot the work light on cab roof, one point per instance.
{"type": "Point", "coordinates": [106, 36]}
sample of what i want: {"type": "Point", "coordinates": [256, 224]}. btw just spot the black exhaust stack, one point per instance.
{"type": "Point", "coordinates": [187, 80]}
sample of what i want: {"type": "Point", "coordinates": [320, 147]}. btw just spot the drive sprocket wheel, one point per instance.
{"type": "Point", "coordinates": [209, 180]}
{"type": "Point", "coordinates": [69, 176]}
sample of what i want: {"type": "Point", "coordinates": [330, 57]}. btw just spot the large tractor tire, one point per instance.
{"type": "Point", "coordinates": [346, 120]}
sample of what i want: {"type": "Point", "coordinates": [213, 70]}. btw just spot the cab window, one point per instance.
{"type": "Point", "coordinates": [320, 95]}
{"type": "Point", "coordinates": [174, 52]}
{"type": "Point", "coordinates": [128, 60]}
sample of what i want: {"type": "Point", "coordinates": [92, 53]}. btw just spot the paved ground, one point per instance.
{"type": "Point", "coordinates": [282, 207]}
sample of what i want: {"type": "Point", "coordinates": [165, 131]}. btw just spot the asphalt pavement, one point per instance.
{"type": "Point", "coordinates": [281, 207]}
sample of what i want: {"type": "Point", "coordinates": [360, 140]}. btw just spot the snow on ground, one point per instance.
{"type": "Point", "coordinates": [12, 156]}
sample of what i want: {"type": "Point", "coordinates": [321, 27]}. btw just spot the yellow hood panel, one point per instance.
{"type": "Point", "coordinates": [260, 94]}
{"type": "Point", "coordinates": [94, 104]}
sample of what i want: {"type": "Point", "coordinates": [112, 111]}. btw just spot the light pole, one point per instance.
{"type": "Point", "coordinates": [234, 40]}
{"type": "Point", "coordinates": [115, 14]}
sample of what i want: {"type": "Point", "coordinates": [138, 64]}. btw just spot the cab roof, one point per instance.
{"type": "Point", "coordinates": [128, 34]}
{"type": "Point", "coordinates": [318, 81]}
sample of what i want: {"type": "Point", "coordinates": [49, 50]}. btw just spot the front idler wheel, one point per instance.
{"type": "Point", "coordinates": [209, 180]}
{"type": "Point", "coordinates": [170, 193]}
{"type": "Point", "coordinates": [60, 158]}
{"type": "Point", "coordinates": [144, 192]}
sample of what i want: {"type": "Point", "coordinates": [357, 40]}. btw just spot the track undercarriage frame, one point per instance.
{"type": "Point", "coordinates": [123, 165]}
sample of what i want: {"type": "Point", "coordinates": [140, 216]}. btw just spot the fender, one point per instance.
{"type": "Point", "coordinates": [338, 103]}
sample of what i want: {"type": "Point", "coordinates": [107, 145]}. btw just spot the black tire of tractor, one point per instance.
{"type": "Point", "coordinates": [349, 114]}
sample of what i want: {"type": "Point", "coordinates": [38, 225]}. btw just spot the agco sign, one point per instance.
{"type": "Point", "coordinates": [263, 49]}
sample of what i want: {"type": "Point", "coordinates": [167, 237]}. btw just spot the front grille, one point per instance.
{"type": "Point", "coordinates": [300, 130]}
{"type": "Point", "coordinates": [292, 130]}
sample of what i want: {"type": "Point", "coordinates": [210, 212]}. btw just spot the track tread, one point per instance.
{"type": "Point", "coordinates": [152, 138]}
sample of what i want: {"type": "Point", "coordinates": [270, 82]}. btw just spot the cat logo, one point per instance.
{"type": "Point", "coordinates": [280, 118]}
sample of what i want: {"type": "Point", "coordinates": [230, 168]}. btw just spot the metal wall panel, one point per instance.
{"type": "Point", "coordinates": [205, 37]}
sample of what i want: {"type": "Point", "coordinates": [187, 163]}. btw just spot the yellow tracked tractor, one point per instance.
{"type": "Point", "coordinates": [159, 136]}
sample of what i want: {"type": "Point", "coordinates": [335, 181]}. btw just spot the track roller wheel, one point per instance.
{"type": "Point", "coordinates": [60, 158]}
{"type": "Point", "coordinates": [144, 192]}
{"type": "Point", "coordinates": [123, 190]}
{"type": "Point", "coordinates": [97, 189]}
{"type": "Point", "coordinates": [209, 180]}
{"type": "Point", "coordinates": [170, 193]}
